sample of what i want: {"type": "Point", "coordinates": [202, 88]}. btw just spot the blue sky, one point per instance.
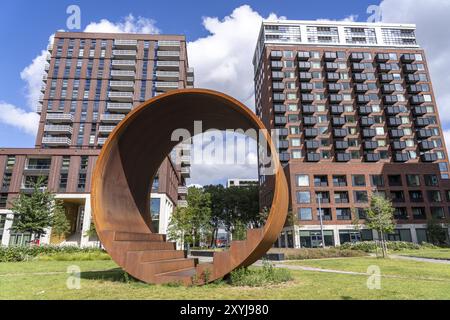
{"type": "Point", "coordinates": [26, 26]}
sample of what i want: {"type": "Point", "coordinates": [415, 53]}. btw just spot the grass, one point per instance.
{"type": "Point", "coordinates": [306, 253]}
{"type": "Point", "coordinates": [103, 280]}
{"type": "Point", "coordinates": [438, 253]}
{"type": "Point", "coordinates": [413, 270]}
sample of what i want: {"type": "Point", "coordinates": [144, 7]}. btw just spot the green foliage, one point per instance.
{"type": "Point", "coordinates": [436, 232]}
{"type": "Point", "coordinates": [371, 246]}
{"type": "Point", "coordinates": [319, 253]}
{"type": "Point", "coordinates": [18, 254]}
{"type": "Point", "coordinates": [192, 224]}
{"type": "Point", "coordinates": [75, 256]}
{"type": "Point", "coordinates": [380, 217]}
{"type": "Point", "coordinates": [267, 275]}
{"type": "Point", "coordinates": [36, 212]}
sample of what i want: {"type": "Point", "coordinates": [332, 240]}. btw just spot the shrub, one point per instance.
{"type": "Point", "coordinates": [259, 277]}
{"type": "Point", "coordinates": [318, 253]}
{"type": "Point", "coordinates": [18, 254]}
{"type": "Point", "coordinates": [371, 246]}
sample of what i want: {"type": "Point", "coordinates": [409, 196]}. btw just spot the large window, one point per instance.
{"type": "Point", "coordinates": [3, 200]}
{"type": "Point", "coordinates": [305, 213]}
{"type": "Point", "coordinates": [431, 180]}
{"type": "Point", "coordinates": [360, 196]}
{"type": "Point", "coordinates": [302, 180]}
{"type": "Point", "coordinates": [359, 180]}
{"type": "Point", "coordinates": [303, 197]}
{"type": "Point", "coordinates": [413, 180]}
{"type": "Point", "coordinates": [377, 180]}
{"type": "Point", "coordinates": [343, 214]}
{"type": "Point", "coordinates": [313, 239]}
{"type": "Point", "coordinates": [155, 205]}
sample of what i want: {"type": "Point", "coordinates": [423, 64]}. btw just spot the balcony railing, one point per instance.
{"type": "Point", "coordinates": [101, 141]}
{"type": "Point", "coordinates": [182, 190]}
{"type": "Point", "coordinates": [59, 117]}
{"type": "Point", "coordinates": [111, 118]}
{"type": "Point", "coordinates": [124, 54]}
{"type": "Point", "coordinates": [168, 55]}
{"type": "Point", "coordinates": [182, 203]}
{"type": "Point", "coordinates": [164, 86]}
{"type": "Point", "coordinates": [167, 65]}
{"type": "Point", "coordinates": [185, 171]}
{"type": "Point", "coordinates": [125, 43]}
{"type": "Point", "coordinates": [121, 96]}
{"type": "Point", "coordinates": [122, 85]}
{"type": "Point", "coordinates": [105, 129]}
{"type": "Point", "coordinates": [190, 71]}
{"type": "Point", "coordinates": [124, 64]}
{"type": "Point", "coordinates": [167, 75]}
{"type": "Point", "coordinates": [119, 106]}
{"type": "Point", "coordinates": [123, 74]}
{"type": "Point", "coordinates": [169, 44]}
{"type": "Point", "coordinates": [55, 129]}
{"type": "Point", "coordinates": [56, 141]}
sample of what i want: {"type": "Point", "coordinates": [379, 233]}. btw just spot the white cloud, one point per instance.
{"type": "Point", "coordinates": [32, 75]}
{"type": "Point", "coordinates": [19, 118]}
{"type": "Point", "coordinates": [431, 18]}
{"type": "Point", "coordinates": [129, 24]}
{"type": "Point", "coordinates": [223, 59]}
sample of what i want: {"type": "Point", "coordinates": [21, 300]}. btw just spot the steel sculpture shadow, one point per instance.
{"type": "Point", "coordinates": [124, 172]}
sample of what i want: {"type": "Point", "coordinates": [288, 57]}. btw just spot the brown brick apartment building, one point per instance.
{"type": "Point", "coordinates": [91, 81]}
{"type": "Point", "coordinates": [355, 109]}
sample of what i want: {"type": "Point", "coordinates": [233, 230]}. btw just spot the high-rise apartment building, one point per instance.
{"type": "Point", "coordinates": [91, 81]}
{"type": "Point", "coordinates": [355, 109]}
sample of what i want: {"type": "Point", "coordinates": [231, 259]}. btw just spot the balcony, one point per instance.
{"type": "Point", "coordinates": [174, 45]}
{"type": "Point", "coordinates": [341, 144]}
{"type": "Point", "coordinates": [124, 64]}
{"type": "Point", "coordinates": [425, 133]}
{"type": "Point", "coordinates": [394, 122]}
{"type": "Point", "coordinates": [313, 157]}
{"type": "Point", "coordinates": [340, 133]}
{"type": "Point", "coordinates": [276, 65]}
{"type": "Point", "coordinates": [124, 54]}
{"type": "Point", "coordinates": [168, 75]}
{"type": "Point", "coordinates": [386, 77]}
{"type": "Point", "coordinates": [426, 145]}
{"type": "Point", "coordinates": [121, 96]}
{"type": "Point", "coordinates": [182, 190]}
{"type": "Point", "coordinates": [182, 203]}
{"type": "Point", "coordinates": [119, 107]}
{"type": "Point", "coordinates": [306, 87]}
{"type": "Point", "coordinates": [167, 65]}
{"type": "Point", "coordinates": [168, 55]}
{"type": "Point", "coordinates": [308, 109]}
{"type": "Point", "coordinates": [311, 133]}
{"type": "Point", "coordinates": [422, 122]}
{"type": "Point", "coordinates": [408, 58]}
{"type": "Point", "coordinates": [372, 157]}
{"type": "Point", "coordinates": [122, 85]}
{"type": "Point", "coordinates": [417, 99]}
{"type": "Point", "coordinates": [59, 117]}
{"type": "Point", "coordinates": [190, 72]}
{"type": "Point", "coordinates": [343, 157]}
{"type": "Point", "coordinates": [303, 66]}
{"type": "Point", "coordinates": [419, 111]}
{"type": "Point", "coordinates": [429, 157]}
{"type": "Point", "coordinates": [338, 121]}
{"type": "Point", "coordinates": [401, 157]}
{"type": "Point", "coordinates": [101, 141]}
{"type": "Point", "coordinates": [56, 141]}
{"type": "Point", "coordinates": [359, 77]}
{"type": "Point", "coordinates": [396, 133]}
{"type": "Point", "coordinates": [185, 172]}
{"type": "Point", "coordinates": [370, 145]}
{"type": "Point", "coordinates": [367, 121]}
{"type": "Point", "coordinates": [283, 144]}
{"type": "Point", "coordinates": [279, 108]}
{"type": "Point", "coordinates": [166, 86]}
{"type": "Point", "coordinates": [55, 129]}
{"type": "Point", "coordinates": [125, 43]}
{"type": "Point", "coordinates": [337, 109]}
{"type": "Point", "coordinates": [356, 56]}
{"type": "Point", "coordinates": [105, 129]}
{"type": "Point", "coordinates": [123, 75]}
{"type": "Point", "coordinates": [412, 78]}
{"type": "Point", "coordinates": [111, 118]}
{"type": "Point", "coordinates": [312, 144]}
{"type": "Point", "coordinates": [185, 160]}
{"type": "Point", "coordinates": [398, 145]}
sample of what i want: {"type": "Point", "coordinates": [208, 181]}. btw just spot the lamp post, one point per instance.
{"type": "Point", "coordinates": [319, 200]}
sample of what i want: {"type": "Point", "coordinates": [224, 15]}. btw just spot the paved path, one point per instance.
{"type": "Point", "coordinates": [420, 259]}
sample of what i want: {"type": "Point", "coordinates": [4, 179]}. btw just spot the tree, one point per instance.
{"type": "Point", "coordinates": [192, 224]}
{"type": "Point", "coordinates": [380, 217]}
{"type": "Point", "coordinates": [38, 211]}
{"type": "Point", "coordinates": [217, 194]}
{"type": "Point", "coordinates": [436, 231]}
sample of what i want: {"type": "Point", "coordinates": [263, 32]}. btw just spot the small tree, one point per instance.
{"type": "Point", "coordinates": [437, 234]}
{"type": "Point", "coordinates": [36, 212]}
{"type": "Point", "coordinates": [380, 217]}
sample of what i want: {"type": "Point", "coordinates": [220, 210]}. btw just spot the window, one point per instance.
{"type": "Point", "coordinates": [361, 213]}
{"type": "Point", "coordinates": [305, 213]}
{"type": "Point", "coordinates": [359, 180]}
{"type": "Point", "coordinates": [437, 212]}
{"type": "Point", "coordinates": [320, 181]}
{"type": "Point", "coordinates": [63, 182]}
{"type": "Point", "coordinates": [340, 197]}
{"type": "Point", "coordinates": [434, 196]}
{"type": "Point", "coordinates": [343, 214]}
{"type": "Point", "coordinates": [395, 180]}
{"type": "Point", "coordinates": [431, 180]}
{"type": "Point", "coordinates": [339, 181]}
{"type": "Point", "coordinates": [84, 163]}
{"type": "Point", "coordinates": [3, 200]}
{"type": "Point", "coordinates": [360, 196]}
{"type": "Point", "coordinates": [413, 180]}
{"type": "Point", "coordinates": [377, 180]}
{"type": "Point", "coordinates": [325, 213]}
{"type": "Point", "coordinates": [155, 205]}
{"type": "Point", "coordinates": [81, 182]}
{"type": "Point", "coordinates": [303, 180]}
{"type": "Point", "coordinates": [303, 197]}
{"type": "Point", "coordinates": [418, 213]}
{"type": "Point", "coordinates": [6, 180]}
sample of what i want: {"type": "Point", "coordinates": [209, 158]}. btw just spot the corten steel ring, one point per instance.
{"type": "Point", "coordinates": [124, 172]}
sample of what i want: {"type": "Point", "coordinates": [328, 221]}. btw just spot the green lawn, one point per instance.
{"type": "Point", "coordinates": [441, 253]}
{"type": "Point", "coordinates": [103, 280]}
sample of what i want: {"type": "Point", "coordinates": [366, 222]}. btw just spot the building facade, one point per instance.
{"type": "Point", "coordinates": [91, 82]}
{"type": "Point", "coordinates": [354, 106]}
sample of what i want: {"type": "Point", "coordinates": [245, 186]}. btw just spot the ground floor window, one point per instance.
{"type": "Point", "coordinates": [20, 239]}
{"type": "Point", "coordinates": [355, 236]}
{"type": "Point", "coordinates": [155, 205]}
{"type": "Point", "coordinates": [2, 226]}
{"type": "Point", "coordinates": [400, 235]}
{"type": "Point", "coordinates": [422, 235]}
{"type": "Point", "coordinates": [313, 239]}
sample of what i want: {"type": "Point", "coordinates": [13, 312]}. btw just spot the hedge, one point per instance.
{"type": "Point", "coordinates": [25, 253]}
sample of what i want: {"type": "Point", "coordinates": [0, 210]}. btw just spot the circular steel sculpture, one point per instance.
{"type": "Point", "coordinates": [124, 172]}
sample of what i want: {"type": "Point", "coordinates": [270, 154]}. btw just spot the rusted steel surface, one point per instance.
{"type": "Point", "coordinates": [122, 180]}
